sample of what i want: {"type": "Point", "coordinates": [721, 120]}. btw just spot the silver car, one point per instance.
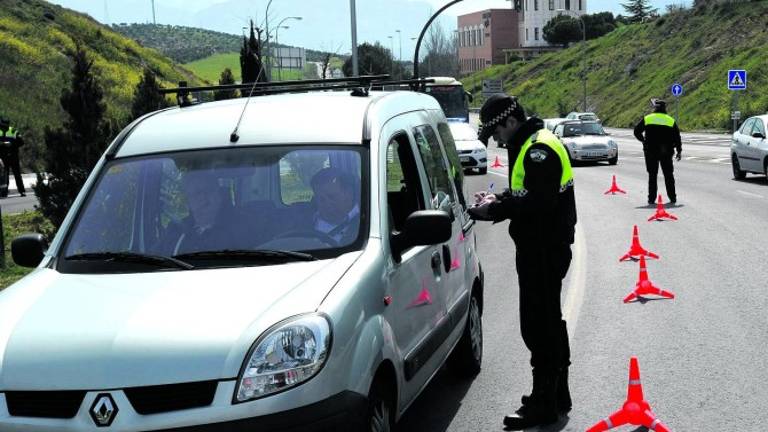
{"type": "Point", "coordinates": [311, 271]}
{"type": "Point", "coordinates": [749, 149]}
{"type": "Point", "coordinates": [587, 142]}
{"type": "Point", "coordinates": [472, 153]}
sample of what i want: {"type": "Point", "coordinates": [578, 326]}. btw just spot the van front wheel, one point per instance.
{"type": "Point", "coordinates": [467, 357]}
{"type": "Point", "coordinates": [381, 410]}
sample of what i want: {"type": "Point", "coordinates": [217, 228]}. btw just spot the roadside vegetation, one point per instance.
{"type": "Point", "coordinates": [694, 47]}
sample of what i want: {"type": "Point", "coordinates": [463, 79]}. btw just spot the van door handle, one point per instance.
{"type": "Point", "coordinates": [436, 261]}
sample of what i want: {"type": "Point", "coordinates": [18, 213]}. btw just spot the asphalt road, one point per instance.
{"type": "Point", "coordinates": [703, 356]}
{"type": "Point", "coordinates": [14, 203]}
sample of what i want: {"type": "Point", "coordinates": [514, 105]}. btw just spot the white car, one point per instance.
{"type": "Point", "coordinates": [587, 142]}
{"type": "Point", "coordinates": [302, 276]}
{"type": "Point", "coordinates": [585, 116]}
{"type": "Point", "coordinates": [550, 123]}
{"type": "Point", "coordinates": [472, 153]}
{"type": "Point", "coordinates": [749, 149]}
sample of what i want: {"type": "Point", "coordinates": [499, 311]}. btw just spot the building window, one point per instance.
{"type": "Point", "coordinates": [536, 33]}
{"type": "Point", "coordinates": [551, 4]}
{"type": "Point", "coordinates": [567, 4]}
{"type": "Point", "coordinates": [527, 35]}
{"type": "Point", "coordinates": [535, 4]}
{"type": "Point", "coordinates": [580, 5]}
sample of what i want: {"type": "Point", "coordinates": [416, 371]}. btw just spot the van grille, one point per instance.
{"type": "Point", "coordinates": [172, 397]}
{"type": "Point", "coordinates": [46, 404]}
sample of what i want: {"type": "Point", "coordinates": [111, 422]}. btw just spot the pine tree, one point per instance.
{"type": "Point", "coordinates": [71, 152]}
{"type": "Point", "coordinates": [226, 78]}
{"type": "Point", "coordinates": [147, 97]}
{"type": "Point", "coordinates": [638, 10]}
{"type": "Point", "coordinates": [251, 64]}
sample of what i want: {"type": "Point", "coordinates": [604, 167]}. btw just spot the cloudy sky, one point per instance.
{"type": "Point", "coordinates": [324, 24]}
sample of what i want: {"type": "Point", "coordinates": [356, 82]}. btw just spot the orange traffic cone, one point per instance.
{"type": "Point", "coordinates": [661, 214]}
{"type": "Point", "coordinates": [424, 298]}
{"type": "Point", "coordinates": [636, 250]}
{"type": "Point", "coordinates": [497, 163]}
{"type": "Point", "coordinates": [614, 188]}
{"type": "Point", "coordinates": [645, 286]}
{"type": "Point", "coordinates": [635, 411]}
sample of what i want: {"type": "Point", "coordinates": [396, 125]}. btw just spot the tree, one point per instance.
{"type": "Point", "coordinates": [371, 59]}
{"type": "Point", "coordinates": [599, 24]}
{"type": "Point", "coordinates": [251, 60]}
{"type": "Point", "coordinates": [562, 30]}
{"type": "Point", "coordinates": [441, 57]}
{"type": "Point", "coordinates": [72, 151]}
{"type": "Point", "coordinates": [226, 78]}
{"type": "Point", "coordinates": [147, 97]}
{"type": "Point", "coordinates": [638, 10]}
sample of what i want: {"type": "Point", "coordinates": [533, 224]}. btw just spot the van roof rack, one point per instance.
{"type": "Point", "coordinates": [361, 83]}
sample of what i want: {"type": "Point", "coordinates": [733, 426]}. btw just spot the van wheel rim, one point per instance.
{"type": "Point", "coordinates": [380, 419]}
{"type": "Point", "coordinates": [476, 329]}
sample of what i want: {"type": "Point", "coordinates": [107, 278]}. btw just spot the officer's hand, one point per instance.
{"type": "Point", "coordinates": [678, 156]}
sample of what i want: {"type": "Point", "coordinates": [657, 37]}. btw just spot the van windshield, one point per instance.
{"type": "Point", "coordinates": [256, 205]}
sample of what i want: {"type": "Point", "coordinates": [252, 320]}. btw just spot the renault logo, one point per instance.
{"type": "Point", "coordinates": [104, 410]}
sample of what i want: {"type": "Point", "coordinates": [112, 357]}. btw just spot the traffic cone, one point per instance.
{"type": "Point", "coordinates": [614, 188]}
{"type": "Point", "coordinates": [661, 214]}
{"type": "Point", "coordinates": [497, 163]}
{"type": "Point", "coordinates": [645, 286]}
{"type": "Point", "coordinates": [635, 411]}
{"type": "Point", "coordinates": [636, 250]}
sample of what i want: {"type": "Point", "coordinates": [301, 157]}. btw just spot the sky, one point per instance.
{"type": "Point", "coordinates": [325, 24]}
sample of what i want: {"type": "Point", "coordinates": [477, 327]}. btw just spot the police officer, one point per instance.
{"type": "Point", "coordinates": [10, 152]}
{"type": "Point", "coordinates": [660, 136]}
{"type": "Point", "coordinates": [540, 205]}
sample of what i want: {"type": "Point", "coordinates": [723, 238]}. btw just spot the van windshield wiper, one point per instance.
{"type": "Point", "coordinates": [158, 260]}
{"type": "Point", "coordinates": [255, 255]}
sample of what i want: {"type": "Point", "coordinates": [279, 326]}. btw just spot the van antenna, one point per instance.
{"type": "Point", "coordinates": [233, 137]}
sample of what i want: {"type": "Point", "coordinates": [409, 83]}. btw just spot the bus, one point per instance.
{"type": "Point", "coordinates": [451, 95]}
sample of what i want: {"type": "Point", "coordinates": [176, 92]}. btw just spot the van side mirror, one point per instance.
{"type": "Point", "coordinates": [758, 135]}
{"type": "Point", "coordinates": [422, 228]}
{"type": "Point", "coordinates": [28, 249]}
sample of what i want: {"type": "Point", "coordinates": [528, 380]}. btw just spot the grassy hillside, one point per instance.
{"type": "Point", "coordinates": [210, 68]}
{"type": "Point", "coordinates": [633, 63]}
{"type": "Point", "coordinates": [188, 44]}
{"type": "Point", "coordinates": [35, 38]}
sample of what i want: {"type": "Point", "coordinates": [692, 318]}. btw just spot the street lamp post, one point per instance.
{"type": "Point", "coordinates": [392, 57]}
{"type": "Point", "coordinates": [353, 18]}
{"type": "Point", "coordinates": [279, 68]}
{"type": "Point", "coordinates": [279, 58]}
{"type": "Point", "coordinates": [400, 55]}
{"type": "Point", "coordinates": [266, 45]}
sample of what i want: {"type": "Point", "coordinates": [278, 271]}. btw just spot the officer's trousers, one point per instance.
{"type": "Point", "coordinates": [11, 162]}
{"type": "Point", "coordinates": [540, 272]}
{"type": "Point", "coordinates": [652, 162]}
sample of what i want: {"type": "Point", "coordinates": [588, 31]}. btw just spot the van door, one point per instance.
{"type": "Point", "coordinates": [441, 180]}
{"type": "Point", "coordinates": [416, 311]}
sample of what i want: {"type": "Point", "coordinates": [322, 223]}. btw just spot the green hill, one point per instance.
{"type": "Point", "coordinates": [694, 47]}
{"type": "Point", "coordinates": [35, 38]}
{"type": "Point", "coordinates": [210, 68]}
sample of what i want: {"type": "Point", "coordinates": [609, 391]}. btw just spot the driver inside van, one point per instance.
{"type": "Point", "coordinates": [337, 211]}
{"type": "Point", "coordinates": [207, 227]}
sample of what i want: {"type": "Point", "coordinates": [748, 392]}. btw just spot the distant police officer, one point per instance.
{"type": "Point", "coordinates": [660, 136]}
{"type": "Point", "coordinates": [540, 205]}
{"type": "Point", "coordinates": [10, 141]}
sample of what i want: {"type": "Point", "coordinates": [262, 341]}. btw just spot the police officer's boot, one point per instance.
{"type": "Point", "coordinates": [542, 406]}
{"type": "Point", "coordinates": [564, 403]}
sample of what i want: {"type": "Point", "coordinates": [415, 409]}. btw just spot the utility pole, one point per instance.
{"type": "Point", "coordinates": [352, 13]}
{"type": "Point", "coordinates": [154, 19]}
{"type": "Point", "coordinates": [106, 13]}
{"type": "Point", "coordinates": [400, 55]}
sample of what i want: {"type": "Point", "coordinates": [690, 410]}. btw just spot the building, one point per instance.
{"type": "Point", "coordinates": [535, 14]}
{"type": "Point", "coordinates": [483, 36]}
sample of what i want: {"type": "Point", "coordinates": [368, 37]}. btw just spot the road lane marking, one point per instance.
{"type": "Point", "coordinates": [576, 283]}
{"type": "Point", "coordinates": [750, 194]}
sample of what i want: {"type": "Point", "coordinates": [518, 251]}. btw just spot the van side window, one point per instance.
{"type": "Point", "coordinates": [404, 194]}
{"type": "Point", "coordinates": [456, 171]}
{"type": "Point", "coordinates": [436, 168]}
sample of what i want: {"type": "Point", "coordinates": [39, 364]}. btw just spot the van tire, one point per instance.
{"type": "Point", "coordinates": [381, 409]}
{"type": "Point", "coordinates": [467, 357]}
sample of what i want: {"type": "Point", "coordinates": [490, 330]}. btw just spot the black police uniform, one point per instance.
{"type": "Point", "coordinates": [542, 227]}
{"type": "Point", "coordinates": [659, 141]}
{"type": "Point", "coordinates": [10, 158]}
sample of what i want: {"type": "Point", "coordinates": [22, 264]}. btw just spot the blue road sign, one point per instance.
{"type": "Point", "coordinates": [737, 79]}
{"type": "Point", "coordinates": [677, 90]}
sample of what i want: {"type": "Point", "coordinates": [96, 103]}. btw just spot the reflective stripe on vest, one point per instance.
{"type": "Point", "coordinates": [10, 134]}
{"type": "Point", "coordinates": [659, 119]}
{"type": "Point", "coordinates": [517, 180]}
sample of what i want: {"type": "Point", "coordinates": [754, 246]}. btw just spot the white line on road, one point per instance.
{"type": "Point", "coordinates": [577, 282]}
{"type": "Point", "coordinates": [750, 194]}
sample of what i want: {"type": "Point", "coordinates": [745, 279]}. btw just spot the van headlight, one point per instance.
{"type": "Point", "coordinates": [286, 356]}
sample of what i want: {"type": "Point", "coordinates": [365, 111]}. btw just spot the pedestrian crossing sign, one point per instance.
{"type": "Point", "coordinates": [737, 79]}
